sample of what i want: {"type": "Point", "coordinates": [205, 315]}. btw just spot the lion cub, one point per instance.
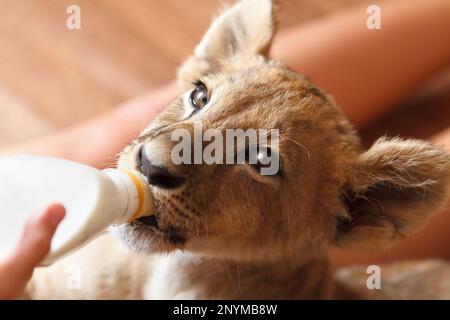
{"type": "Point", "coordinates": [224, 231]}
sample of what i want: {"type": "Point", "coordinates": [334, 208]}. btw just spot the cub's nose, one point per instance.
{"type": "Point", "coordinates": [157, 176]}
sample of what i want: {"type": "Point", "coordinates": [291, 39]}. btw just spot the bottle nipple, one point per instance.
{"type": "Point", "coordinates": [134, 194]}
{"type": "Point", "coordinates": [145, 203]}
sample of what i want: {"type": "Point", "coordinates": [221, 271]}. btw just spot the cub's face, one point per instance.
{"type": "Point", "coordinates": [233, 208]}
{"type": "Point", "coordinates": [318, 194]}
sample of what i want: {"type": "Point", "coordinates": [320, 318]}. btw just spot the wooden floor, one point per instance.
{"type": "Point", "coordinates": [51, 77]}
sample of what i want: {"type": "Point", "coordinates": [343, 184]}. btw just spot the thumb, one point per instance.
{"type": "Point", "coordinates": [37, 236]}
{"type": "Point", "coordinates": [34, 245]}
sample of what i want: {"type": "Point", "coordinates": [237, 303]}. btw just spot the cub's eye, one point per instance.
{"type": "Point", "coordinates": [199, 96]}
{"type": "Point", "coordinates": [264, 158]}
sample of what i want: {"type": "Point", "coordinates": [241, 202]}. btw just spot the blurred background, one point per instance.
{"type": "Point", "coordinates": [52, 77]}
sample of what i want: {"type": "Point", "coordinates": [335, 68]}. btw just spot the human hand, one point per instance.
{"type": "Point", "coordinates": [17, 269]}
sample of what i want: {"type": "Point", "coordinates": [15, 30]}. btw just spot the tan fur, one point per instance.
{"type": "Point", "coordinates": [245, 236]}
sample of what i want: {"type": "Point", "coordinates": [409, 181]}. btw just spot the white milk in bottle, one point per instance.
{"type": "Point", "coordinates": [93, 200]}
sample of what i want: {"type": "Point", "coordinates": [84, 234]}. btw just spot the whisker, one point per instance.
{"type": "Point", "coordinates": [300, 145]}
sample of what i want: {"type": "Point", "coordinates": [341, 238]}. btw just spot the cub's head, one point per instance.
{"type": "Point", "coordinates": [323, 188]}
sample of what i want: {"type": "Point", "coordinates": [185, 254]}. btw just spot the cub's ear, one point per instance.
{"type": "Point", "coordinates": [243, 30]}
{"type": "Point", "coordinates": [392, 189]}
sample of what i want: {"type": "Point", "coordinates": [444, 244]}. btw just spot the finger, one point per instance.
{"type": "Point", "coordinates": [37, 237]}
{"type": "Point", "coordinates": [33, 247]}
